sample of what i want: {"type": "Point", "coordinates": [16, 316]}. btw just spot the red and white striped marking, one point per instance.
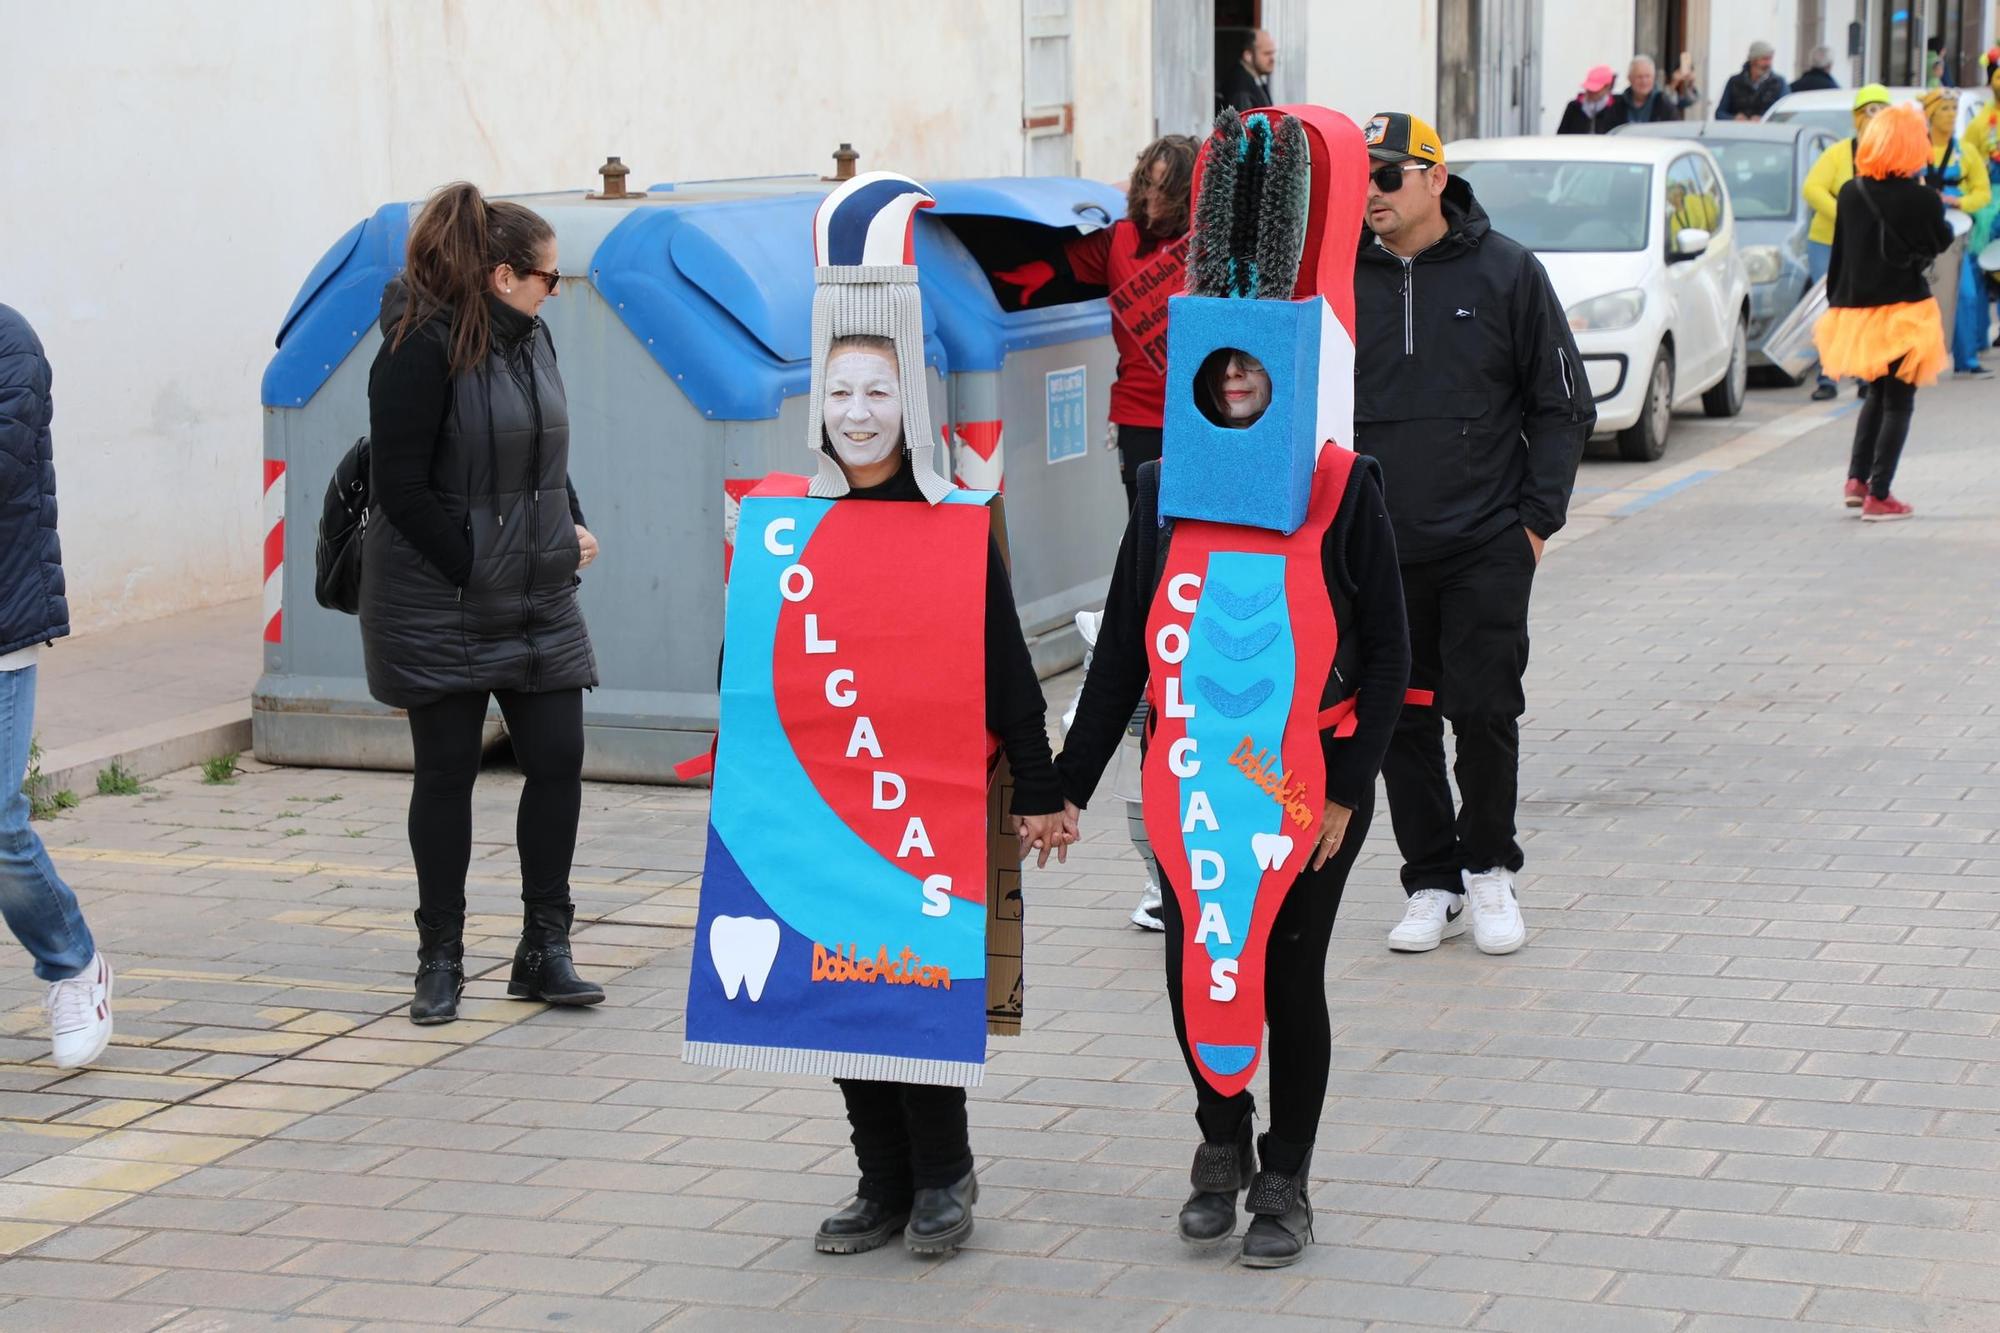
{"type": "Point", "coordinates": [274, 551]}
{"type": "Point", "coordinates": [978, 461]}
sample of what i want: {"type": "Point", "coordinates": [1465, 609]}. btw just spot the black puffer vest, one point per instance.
{"type": "Point", "coordinates": [502, 469]}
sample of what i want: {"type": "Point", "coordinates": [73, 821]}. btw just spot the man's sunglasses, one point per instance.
{"type": "Point", "coordinates": [1389, 179]}
{"type": "Point", "coordinates": [551, 278]}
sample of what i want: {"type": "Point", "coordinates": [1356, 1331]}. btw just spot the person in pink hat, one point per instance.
{"type": "Point", "coordinates": [1594, 110]}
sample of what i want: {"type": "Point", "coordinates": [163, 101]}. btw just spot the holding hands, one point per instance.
{"type": "Point", "coordinates": [1049, 833]}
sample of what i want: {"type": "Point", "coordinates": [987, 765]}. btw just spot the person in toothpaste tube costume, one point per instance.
{"type": "Point", "coordinates": [831, 896]}
{"type": "Point", "coordinates": [1256, 600]}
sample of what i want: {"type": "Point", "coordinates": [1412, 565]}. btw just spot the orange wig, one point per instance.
{"type": "Point", "coordinates": [1896, 143]}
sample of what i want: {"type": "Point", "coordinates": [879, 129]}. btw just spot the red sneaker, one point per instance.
{"type": "Point", "coordinates": [1884, 511]}
{"type": "Point", "coordinates": [1856, 492]}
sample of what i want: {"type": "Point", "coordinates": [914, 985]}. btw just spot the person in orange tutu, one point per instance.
{"type": "Point", "coordinates": [1882, 325]}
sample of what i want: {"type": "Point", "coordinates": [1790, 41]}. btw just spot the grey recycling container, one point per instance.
{"type": "Point", "coordinates": [1030, 388]}
{"type": "Point", "coordinates": [684, 341]}
{"type": "Point", "coordinates": [683, 331]}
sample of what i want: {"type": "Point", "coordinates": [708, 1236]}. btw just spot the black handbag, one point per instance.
{"type": "Point", "coordinates": [343, 522]}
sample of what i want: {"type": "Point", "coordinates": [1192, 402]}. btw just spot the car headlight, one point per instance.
{"type": "Point", "coordinates": [1617, 310]}
{"type": "Point", "coordinates": [1761, 264]}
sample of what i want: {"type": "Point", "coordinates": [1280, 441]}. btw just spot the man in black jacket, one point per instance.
{"type": "Point", "coordinates": [1469, 393]}
{"type": "Point", "coordinates": [1754, 89]}
{"type": "Point", "coordinates": [40, 909]}
{"type": "Point", "coordinates": [1243, 76]}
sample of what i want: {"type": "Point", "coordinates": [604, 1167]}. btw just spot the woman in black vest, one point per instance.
{"type": "Point", "coordinates": [470, 590]}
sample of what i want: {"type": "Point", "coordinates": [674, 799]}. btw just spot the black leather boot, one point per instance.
{"type": "Point", "coordinates": [543, 969]}
{"type": "Point", "coordinates": [1221, 1172]}
{"type": "Point", "coordinates": [1281, 1218]}
{"type": "Point", "coordinates": [862, 1226]}
{"type": "Point", "coordinates": [941, 1219]}
{"type": "Point", "coordinates": [440, 970]}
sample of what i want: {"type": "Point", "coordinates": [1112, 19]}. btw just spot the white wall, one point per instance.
{"type": "Point", "coordinates": [1575, 36]}
{"type": "Point", "coordinates": [1362, 58]}
{"type": "Point", "coordinates": [1114, 85]}
{"type": "Point", "coordinates": [171, 173]}
{"type": "Point", "coordinates": [1734, 24]}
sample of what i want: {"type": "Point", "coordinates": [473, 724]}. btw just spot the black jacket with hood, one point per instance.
{"type": "Point", "coordinates": [1467, 386]}
{"type": "Point", "coordinates": [470, 583]}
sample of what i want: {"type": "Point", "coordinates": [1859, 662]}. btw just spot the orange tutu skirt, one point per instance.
{"type": "Point", "coordinates": [1861, 342]}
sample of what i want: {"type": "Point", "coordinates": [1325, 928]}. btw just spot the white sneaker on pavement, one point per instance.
{"type": "Point", "coordinates": [1146, 916]}
{"type": "Point", "coordinates": [79, 1010]}
{"type": "Point", "coordinates": [1496, 911]}
{"type": "Point", "coordinates": [1433, 916]}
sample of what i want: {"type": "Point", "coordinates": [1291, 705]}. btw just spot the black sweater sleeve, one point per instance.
{"type": "Point", "coordinates": [1374, 583]}
{"type": "Point", "coordinates": [1118, 670]}
{"type": "Point", "coordinates": [409, 393]}
{"type": "Point", "coordinates": [1557, 412]}
{"type": "Point", "coordinates": [1015, 709]}
{"type": "Point", "coordinates": [575, 505]}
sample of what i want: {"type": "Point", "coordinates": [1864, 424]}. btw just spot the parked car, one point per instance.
{"type": "Point", "coordinates": [1639, 239]}
{"type": "Point", "coordinates": [1764, 166]}
{"type": "Point", "coordinates": [1833, 108]}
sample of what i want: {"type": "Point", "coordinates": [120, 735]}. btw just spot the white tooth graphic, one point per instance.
{"type": "Point", "coordinates": [742, 947]}
{"type": "Point", "coordinates": [1272, 850]}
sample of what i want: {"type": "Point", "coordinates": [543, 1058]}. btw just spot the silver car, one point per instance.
{"type": "Point", "coordinates": [1765, 165]}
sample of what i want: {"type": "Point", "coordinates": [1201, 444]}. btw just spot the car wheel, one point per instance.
{"type": "Point", "coordinates": [1646, 439]}
{"type": "Point", "coordinates": [1726, 398]}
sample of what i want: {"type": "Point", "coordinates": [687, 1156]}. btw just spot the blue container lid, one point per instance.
{"type": "Point", "coordinates": [719, 290]}
{"type": "Point", "coordinates": [336, 304]}
{"type": "Point", "coordinates": [977, 332]}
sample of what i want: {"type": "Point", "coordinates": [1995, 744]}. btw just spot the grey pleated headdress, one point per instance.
{"type": "Point", "coordinates": [866, 285]}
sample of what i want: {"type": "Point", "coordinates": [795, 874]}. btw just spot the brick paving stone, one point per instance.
{"type": "Point", "coordinates": [1741, 1078]}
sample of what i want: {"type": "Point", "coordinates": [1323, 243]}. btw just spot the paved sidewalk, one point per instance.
{"type": "Point", "coordinates": [1742, 1077]}
{"type": "Point", "coordinates": [152, 697]}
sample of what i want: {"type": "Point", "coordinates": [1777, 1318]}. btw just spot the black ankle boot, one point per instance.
{"type": "Point", "coordinates": [1281, 1218]}
{"type": "Point", "coordinates": [1221, 1171]}
{"type": "Point", "coordinates": [543, 969]}
{"type": "Point", "coordinates": [862, 1226]}
{"type": "Point", "coordinates": [941, 1219]}
{"type": "Point", "coordinates": [440, 970]}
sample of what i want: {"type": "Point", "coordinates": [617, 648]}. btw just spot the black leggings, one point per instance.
{"type": "Point", "coordinates": [1301, 1044]}
{"type": "Point", "coordinates": [547, 734]}
{"type": "Point", "coordinates": [1879, 431]}
{"type": "Point", "coordinates": [907, 1137]}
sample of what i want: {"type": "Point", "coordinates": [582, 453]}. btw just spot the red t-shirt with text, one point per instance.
{"type": "Point", "coordinates": [1142, 274]}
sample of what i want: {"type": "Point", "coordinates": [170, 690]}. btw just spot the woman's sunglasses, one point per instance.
{"type": "Point", "coordinates": [1389, 179]}
{"type": "Point", "coordinates": [551, 278]}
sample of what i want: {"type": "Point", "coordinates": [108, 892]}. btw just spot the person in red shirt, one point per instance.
{"type": "Point", "coordinates": [1139, 262]}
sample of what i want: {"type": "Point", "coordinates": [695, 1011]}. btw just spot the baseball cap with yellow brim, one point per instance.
{"type": "Point", "coordinates": [1397, 136]}
{"type": "Point", "coordinates": [1871, 94]}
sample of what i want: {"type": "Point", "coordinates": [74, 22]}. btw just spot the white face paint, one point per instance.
{"type": "Point", "coordinates": [864, 406]}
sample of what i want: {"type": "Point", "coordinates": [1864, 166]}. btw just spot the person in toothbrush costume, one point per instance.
{"type": "Point", "coordinates": [1256, 601]}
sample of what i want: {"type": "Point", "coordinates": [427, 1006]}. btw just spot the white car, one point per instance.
{"type": "Point", "coordinates": [1639, 240]}
{"type": "Point", "coordinates": [1833, 108]}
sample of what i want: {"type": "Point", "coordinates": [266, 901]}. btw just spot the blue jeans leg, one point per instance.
{"type": "Point", "coordinates": [1818, 256]}
{"type": "Point", "coordinates": [40, 909]}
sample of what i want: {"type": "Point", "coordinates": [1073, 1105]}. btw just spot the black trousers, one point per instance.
{"type": "Point", "coordinates": [907, 1137]}
{"type": "Point", "coordinates": [1880, 428]}
{"type": "Point", "coordinates": [547, 734]}
{"type": "Point", "coordinates": [1301, 1040]}
{"type": "Point", "coordinates": [1469, 646]}
{"type": "Point", "coordinates": [1136, 445]}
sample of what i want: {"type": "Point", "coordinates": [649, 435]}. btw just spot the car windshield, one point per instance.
{"type": "Point", "coordinates": [1556, 206]}
{"type": "Point", "coordinates": [1837, 119]}
{"type": "Point", "coordinates": [1762, 179]}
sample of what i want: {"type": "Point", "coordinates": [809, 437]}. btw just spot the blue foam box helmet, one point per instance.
{"type": "Point", "coordinates": [1259, 476]}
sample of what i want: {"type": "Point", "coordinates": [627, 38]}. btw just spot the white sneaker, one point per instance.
{"type": "Point", "coordinates": [1433, 916]}
{"type": "Point", "coordinates": [1146, 916]}
{"type": "Point", "coordinates": [1496, 911]}
{"type": "Point", "coordinates": [79, 1010]}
